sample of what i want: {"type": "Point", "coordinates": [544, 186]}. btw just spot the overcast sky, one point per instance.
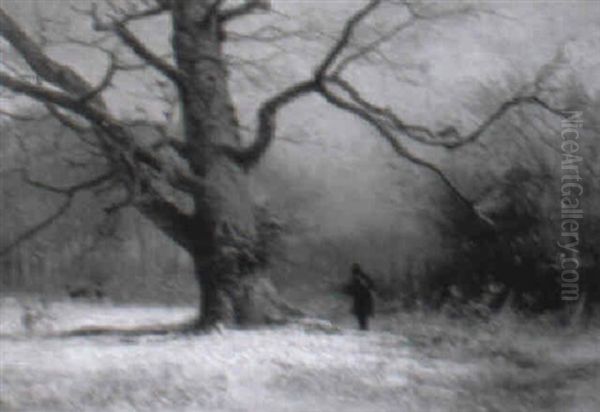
{"type": "Point", "coordinates": [451, 52]}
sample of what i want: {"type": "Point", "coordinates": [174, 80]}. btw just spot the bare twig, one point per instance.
{"type": "Point", "coordinates": [66, 121]}
{"type": "Point", "coordinates": [37, 228]}
{"type": "Point", "coordinates": [448, 137]}
{"type": "Point", "coordinates": [248, 7]}
{"type": "Point", "coordinates": [267, 34]}
{"type": "Point", "coordinates": [47, 95]}
{"type": "Point", "coordinates": [143, 14]}
{"type": "Point", "coordinates": [104, 83]}
{"type": "Point", "coordinates": [69, 193]}
{"type": "Point", "coordinates": [342, 42]}
{"type": "Point", "coordinates": [168, 70]}
{"type": "Point", "coordinates": [50, 71]}
{"type": "Point", "coordinates": [67, 190]}
{"type": "Point", "coordinates": [267, 113]}
{"type": "Point", "coordinates": [136, 45]}
{"type": "Point", "coordinates": [372, 46]}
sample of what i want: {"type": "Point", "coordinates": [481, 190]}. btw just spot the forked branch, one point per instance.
{"type": "Point", "coordinates": [119, 28]}
{"type": "Point", "coordinates": [448, 137]}
{"type": "Point", "coordinates": [267, 113]}
{"type": "Point", "coordinates": [344, 38]}
{"type": "Point", "coordinates": [49, 70]}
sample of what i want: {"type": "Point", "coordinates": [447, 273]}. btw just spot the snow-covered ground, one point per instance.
{"type": "Point", "coordinates": [293, 368]}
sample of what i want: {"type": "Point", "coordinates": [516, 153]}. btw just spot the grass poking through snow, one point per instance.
{"type": "Point", "coordinates": [407, 363]}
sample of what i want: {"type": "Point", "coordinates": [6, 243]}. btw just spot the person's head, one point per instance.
{"type": "Point", "coordinates": [355, 269]}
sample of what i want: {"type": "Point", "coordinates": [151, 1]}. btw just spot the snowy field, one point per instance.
{"type": "Point", "coordinates": [406, 364]}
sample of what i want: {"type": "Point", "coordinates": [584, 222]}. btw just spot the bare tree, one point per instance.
{"type": "Point", "coordinates": [208, 165]}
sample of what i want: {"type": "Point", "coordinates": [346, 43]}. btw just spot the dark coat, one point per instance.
{"type": "Point", "coordinates": [361, 289]}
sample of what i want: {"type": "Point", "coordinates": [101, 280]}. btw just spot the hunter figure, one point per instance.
{"type": "Point", "coordinates": [361, 289]}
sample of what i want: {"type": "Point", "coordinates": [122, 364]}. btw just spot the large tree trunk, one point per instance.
{"type": "Point", "coordinates": [232, 290]}
{"type": "Point", "coordinates": [223, 244]}
{"type": "Point", "coordinates": [224, 227]}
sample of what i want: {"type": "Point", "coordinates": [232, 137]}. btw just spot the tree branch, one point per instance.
{"type": "Point", "coordinates": [162, 213]}
{"type": "Point", "coordinates": [66, 121]}
{"type": "Point", "coordinates": [342, 42]}
{"type": "Point", "coordinates": [121, 141]}
{"type": "Point", "coordinates": [49, 70]}
{"type": "Point", "coordinates": [248, 7]}
{"type": "Point", "coordinates": [179, 146]}
{"type": "Point", "coordinates": [79, 97]}
{"type": "Point", "coordinates": [448, 137]}
{"type": "Point", "coordinates": [47, 95]}
{"type": "Point", "coordinates": [267, 113]}
{"type": "Point", "coordinates": [69, 192]}
{"type": "Point", "coordinates": [150, 12]}
{"type": "Point", "coordinates": [372, 46]}
{"type": "Point", "coordinates": [169, 71]}
{"type": "Point", "coordinates": [37, 228]}
{"type": "Point", "coordinates": [168, 218]}
{"type": "Point", "coordinates": [137, 47]}
{"type": "Point", "coordinates": [104, 83]}
{"type": "Point", "coordinates": [399, 148]}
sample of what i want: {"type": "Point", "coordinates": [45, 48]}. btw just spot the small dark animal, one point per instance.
{"type": "Point", "coordinates": [360, 288]}
{"type": "Point", "coordinates": [85, 292]}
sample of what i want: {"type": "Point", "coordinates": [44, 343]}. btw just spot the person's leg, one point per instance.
{"type": "Point", "coordinates": [363, 321]}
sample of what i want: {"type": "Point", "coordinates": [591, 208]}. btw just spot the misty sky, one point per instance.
{"type": "Point", "coordinates": [447, 59]}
